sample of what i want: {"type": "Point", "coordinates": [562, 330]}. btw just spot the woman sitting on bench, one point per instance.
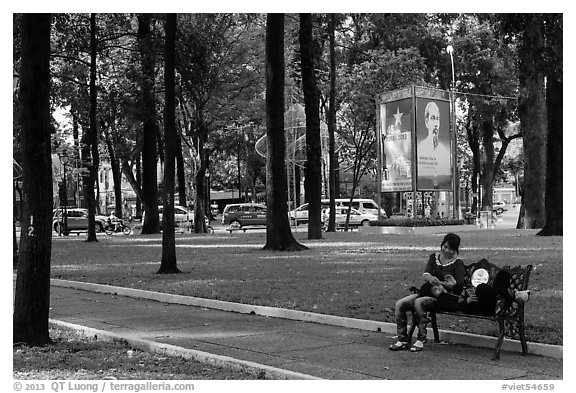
{"type": "Point", "coordinates": [444, 272]}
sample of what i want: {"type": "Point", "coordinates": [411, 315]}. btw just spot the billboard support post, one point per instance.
{"type": "Point", "coordinates": [379, 152]}
{"type": "Point", "coordinates": [414, 159]}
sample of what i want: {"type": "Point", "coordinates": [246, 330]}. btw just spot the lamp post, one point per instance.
{"type": "Point", "coordinates": [207, 197]}
{"type": "Point", "coordinates": [456, 181]}
{"type": "Point", "coordinates": [64, 160]}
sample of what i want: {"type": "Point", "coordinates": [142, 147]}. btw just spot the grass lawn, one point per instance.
{"type": "Point", "coordinates": [76, 357]}
{"type": "Point", "coordinates": [346, 274]}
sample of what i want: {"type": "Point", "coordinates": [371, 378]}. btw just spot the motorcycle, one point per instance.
{"type": "Point", "coordinates": [117, 227]}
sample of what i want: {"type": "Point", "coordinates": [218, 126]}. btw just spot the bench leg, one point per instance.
{"type": "Point", "coordinates": [434, 327]}
{"type": "Point", "coordinates": [500, 340]}
{"type": "Point", "coordinates": [522, 336]}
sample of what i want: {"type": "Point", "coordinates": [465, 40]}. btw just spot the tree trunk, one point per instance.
{"type": "Point", "coordinates": [139, 198]}
{"type": "Point", "coordinates": [76, 136]}
{"type": "Point", "coordinates": [554, 105]}
{"type": "Point", "coordinates": [313, 179]}
{"type": "Point", "coordinates": [116, 177]}
{"type": "Point", "coordinates": [180, 173]}
{"type": "Point", "coordinates": [487, 130]}
{"type": "Point", "coordinates": [250, 178]}
{"type": "Point", "coordinates": [127, 171]}
{"type": "Point", "coordinates": [151, 222]}
{"type": "Point", "coordinates": [32, 295]}
{"type": "Point", "coordinates": [532, 113]}
{"type": "Point", "coordinates": [278, 234]}
{"type": "Point", "coordinates": [90, 139]}
{"type": "Point", "coordinates": [475, 178]}
{"type": "Point", "coordinates": [168, 264]}
{"type": "Point", "coordinates": [332, 128]}
{"type": "Point", "coordinates": [160, 143]}
{"type": "Point", "coordinates": [474, 143]}
{"type": "Point", "coordinates": [200, 177]}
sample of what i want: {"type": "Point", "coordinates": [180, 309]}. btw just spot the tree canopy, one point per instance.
{"type": "Point", "coordinates": [112, 91]}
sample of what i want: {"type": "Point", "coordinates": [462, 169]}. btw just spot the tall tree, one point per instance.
{"type": "Point", "coordinates": [151, 222]}
{"type": "Point", "coordinates": [168, 264]}
{"type": "Point", "coordinates": [313, 179]}
{"type": "Point", "coordinates": [180, 172]}
{"type": "Point", "coordinates": [532, 113]}
{"type": "Point", "coordinates": [90, 139]}
{"type": "Point", "coordinates": [331, 119]}
{"type": "Point", "coordinates": [203, 63]}
{"type": "Point", "coordinates": [32, 297]}
{"type": "Point", "coordinates": [485, 72]}
{"type": "Point", "coordinates": [278, 234]}
{"type": "Point", "coordinates": [554, 111]}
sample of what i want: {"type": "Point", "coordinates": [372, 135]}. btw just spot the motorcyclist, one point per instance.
{"type": "Point", "coordinates": [113, 221]}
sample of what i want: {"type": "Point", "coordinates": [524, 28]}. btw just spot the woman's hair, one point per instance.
{"type": "Point", "coordinates": [453, 241]}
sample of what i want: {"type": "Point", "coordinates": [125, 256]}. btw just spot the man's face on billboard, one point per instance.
{"type": "Point", "coordinates": [433, 121]}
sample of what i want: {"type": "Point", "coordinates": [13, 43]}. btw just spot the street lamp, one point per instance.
{"type": "Point", "coordinates": [450, 50]}
{"type": "Point", "coordinates": [456, 180]}
{"type": "Point", "coordinates": [64, 160]}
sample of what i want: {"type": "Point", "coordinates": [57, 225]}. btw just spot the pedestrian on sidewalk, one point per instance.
{"type": "Point", "coordinates": [444, 274]}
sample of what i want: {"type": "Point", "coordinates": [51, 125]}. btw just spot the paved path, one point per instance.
{"type": "Point", "coordinates": [281, 348]}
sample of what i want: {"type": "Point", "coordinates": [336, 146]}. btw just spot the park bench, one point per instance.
{"type": "Point", "coordinates": [245, 228]}
{"type": "Point", "coordinates": [342, 227]}
{"type": "Point", "coordinates": [510, 319]}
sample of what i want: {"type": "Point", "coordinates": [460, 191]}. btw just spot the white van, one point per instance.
{"type": "Point", "coordinates": [362, 205]}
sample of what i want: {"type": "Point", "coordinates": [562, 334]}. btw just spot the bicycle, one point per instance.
{"type": "Point", "coordinates": [117, 227]}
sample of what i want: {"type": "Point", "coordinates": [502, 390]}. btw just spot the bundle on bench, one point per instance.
{"type": "Point", "coordinates": [510, 317]}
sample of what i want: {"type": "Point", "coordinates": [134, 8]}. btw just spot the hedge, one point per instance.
{"type": "Point", "coordinates": [416, 222]}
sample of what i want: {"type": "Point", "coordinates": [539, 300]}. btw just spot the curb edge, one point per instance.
{"type": "Point", "coordinates": [252, 368]}
{"type": "Point", "coordinates": [546, 350]}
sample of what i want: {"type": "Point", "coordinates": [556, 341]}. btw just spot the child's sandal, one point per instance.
{"type": "Point", "coordinates": [417, 346]}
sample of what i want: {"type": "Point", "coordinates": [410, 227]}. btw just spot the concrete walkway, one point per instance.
{"type": "Point", "coordinates": [280, 348]}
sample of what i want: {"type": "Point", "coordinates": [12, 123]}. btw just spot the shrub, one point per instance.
{"type": "Point", "coordinates": [416, 222]}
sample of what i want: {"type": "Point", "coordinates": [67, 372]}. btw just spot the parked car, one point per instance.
{"type": "Point", "coordinates": [242, 214]}
{"type": "Point", "coordinates": [182, 216]}
{"type": "Point", "coordinates": [499, 207]}
{"type": "Point", "coordinates": [299, 215]}
{"type": "Point", "coordinates": [362, 205]}
{"type": "Point", "coordinates": [77, 219]}
{"type": "Point", "coordinates": [356, 218]}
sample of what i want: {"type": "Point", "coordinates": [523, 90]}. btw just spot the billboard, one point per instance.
{"type": "Point", "coordinates": [396, 118]}
{"type": "Point", "coordinates": [433, 148]}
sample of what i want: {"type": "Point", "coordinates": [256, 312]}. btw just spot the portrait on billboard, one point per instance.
{"type": "Point", "coordinates": [433, 152]}
{"type": "Point", "coordinates": [396, 129]}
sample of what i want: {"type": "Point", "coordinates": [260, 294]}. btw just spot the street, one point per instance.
{"type": "Point", "coordinates": [507, 220]}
